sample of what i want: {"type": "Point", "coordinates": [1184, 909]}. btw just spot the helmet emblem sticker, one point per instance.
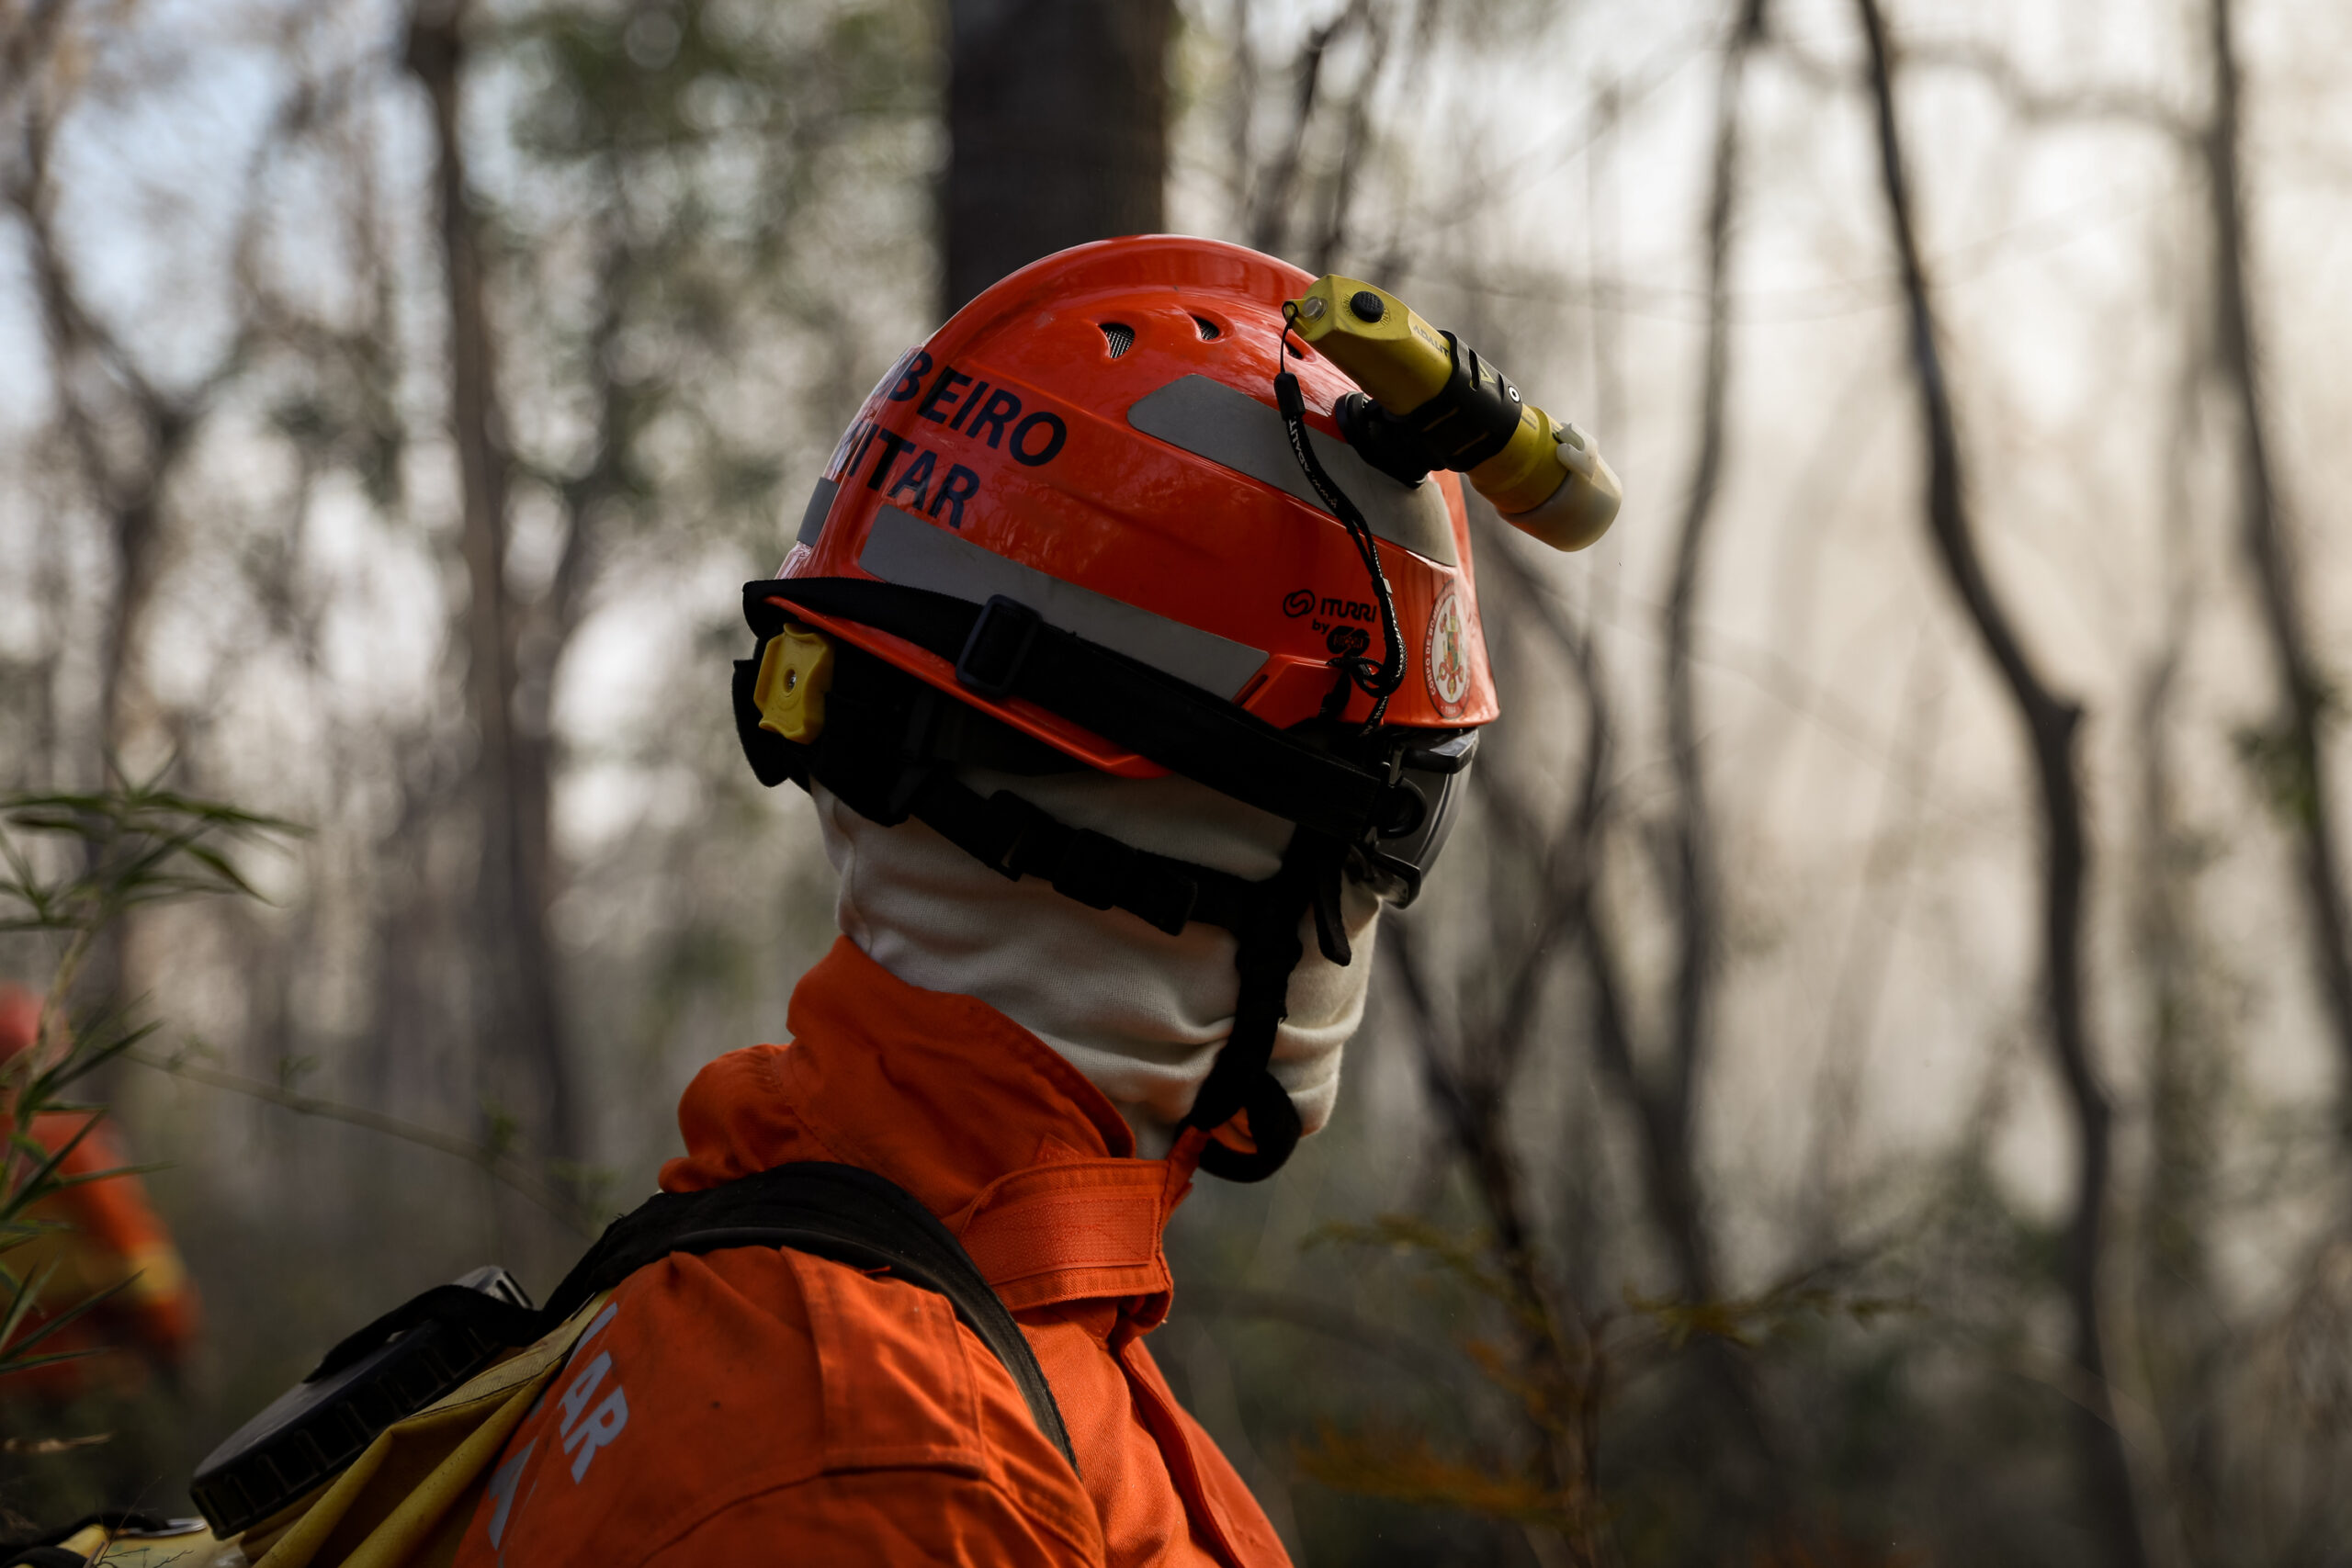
{"type": "Point", "coordinates": [1444, 661]}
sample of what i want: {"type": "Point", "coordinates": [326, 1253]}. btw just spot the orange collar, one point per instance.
{"type": "Point", "coordinates": [994, 1131]}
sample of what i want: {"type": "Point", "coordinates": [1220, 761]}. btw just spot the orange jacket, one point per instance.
{"type": "Point", "coordinates": [114, 1235]}
{"type": "Point", "coordinates": [760, 1406]}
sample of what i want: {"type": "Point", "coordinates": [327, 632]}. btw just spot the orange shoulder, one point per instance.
{"type": "Point", "coordinates": [721, 1388]}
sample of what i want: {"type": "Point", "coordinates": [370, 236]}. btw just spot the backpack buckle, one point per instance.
{"type": "Point", "coordinates": [998, 647]}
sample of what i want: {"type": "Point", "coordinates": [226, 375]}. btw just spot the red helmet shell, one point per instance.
{"type": "Point", "coordinates": [1105, 418]}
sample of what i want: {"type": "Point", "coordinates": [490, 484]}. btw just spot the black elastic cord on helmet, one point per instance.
{"type": "Point", "coordinates": [1380, 681]}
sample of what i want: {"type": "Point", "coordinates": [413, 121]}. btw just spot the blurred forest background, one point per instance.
{"type": "Point", "coordinates": [1870, 1083]}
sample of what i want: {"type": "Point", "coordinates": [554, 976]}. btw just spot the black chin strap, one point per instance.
{"type": "Point", "coordinates": [1014, 838]}
{"type": "Point", "coordinates": [1266, 950]}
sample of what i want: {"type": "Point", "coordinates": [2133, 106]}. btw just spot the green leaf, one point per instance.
{"type": "Point", "coordinates": [79, 1310]}
{"type": "Point", "coordinates": [26, 1294]}
{"type": "Point", "coordinates": [41, 1180]}
{"type": "Point", "coordinates": [26, 1364]}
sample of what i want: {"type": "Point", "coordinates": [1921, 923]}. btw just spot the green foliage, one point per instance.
{"type": "Point", "coordinates": [680, 167]}
{"type": "Point", "coordinates": [674, 76]}
{"type": "Point", "coordinates": [106, 852]}
{"type": "Point", "coordinates": [141, 845]}
{"type": "Point", "coordinates": [2282, 766]}
{"type": "Point", "coordinates": [2283, 756]}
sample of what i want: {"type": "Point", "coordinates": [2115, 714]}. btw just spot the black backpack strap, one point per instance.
{"type": "Point", "coordinates": [427, 1347]}
{"type": "Point", "coordinates": [835, 1212]}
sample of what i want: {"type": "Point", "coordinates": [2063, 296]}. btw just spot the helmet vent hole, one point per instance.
{"type": "Point", "coordinates": [1119, 336]}
{"type": "Point", "coordinates": [1209, 330]}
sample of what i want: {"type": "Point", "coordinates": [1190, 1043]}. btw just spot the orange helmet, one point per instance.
{"type": "Point", "coordinates": [1079, 527]}
{"type": "Point", "coordinates": [1105, 419]}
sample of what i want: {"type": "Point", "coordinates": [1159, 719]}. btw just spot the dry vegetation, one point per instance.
{"type": "Point", "coordinates": [1872, 1082]}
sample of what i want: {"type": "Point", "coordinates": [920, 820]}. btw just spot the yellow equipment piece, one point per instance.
{"type": "Point", "coordinates": [1548, 480]}
{"type": "Point", "coordinates": [796, 671]}
{"type": "Point", "coordinates": [1397, 357]}
{"type": "Point", "coordinates": [403, 1503]}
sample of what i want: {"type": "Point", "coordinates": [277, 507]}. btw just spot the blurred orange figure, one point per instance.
{"type": "Point", "coordinates": [115, 1235]}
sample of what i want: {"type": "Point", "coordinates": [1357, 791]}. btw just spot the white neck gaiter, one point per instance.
{"type": "Point", "coordinates": [1141, 1013]}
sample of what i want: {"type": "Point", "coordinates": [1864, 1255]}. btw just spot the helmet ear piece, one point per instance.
{"type": "Point", "coordinates": [773, 757]}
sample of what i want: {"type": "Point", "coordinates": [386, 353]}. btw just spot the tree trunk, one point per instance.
{"type": "Point", "coordinates": [1057, 126]}
{"type": "Point", "coordinates": [1668, 1113]}
{"type": "Point", "coordinates": [525, 1059]}
{"type": "Point", "coordinates": [2051, 724]}
{"type": "Point", "coordinates": [2294, 755]}
{"type": "Point", "coordinates": [127, 484]}
{"type": "Point", "coordinates": [1696, 896]}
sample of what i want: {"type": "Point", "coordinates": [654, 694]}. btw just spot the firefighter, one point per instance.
{"type": "Point", "coordinates": [1120, 730]}
{"type": "Point", "coordinates": [108, 1238]}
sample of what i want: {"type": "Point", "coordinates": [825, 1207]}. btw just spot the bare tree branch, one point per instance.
{"type": "Point", "coordinates": [127, 486]}
{"type": "Point", "coordinates": [1862, 970]}
{"type": "Point", "coordinates": [522, 1023]}
{"type": "Point", "coordinates": [28, 43]}
{"type": "Point", "coordinates": [2293, 754]}
{"type": "Point", "coordinates": [1698, 895]}
{"type": "Point", "coordinates": [2174, 1309]}
{"type": "Point", "coordinates": [1355, 138]}
{"type": "Point", "coordinates": [1268, 224]}
{"type": "Point", "coordinates": [1318, 1314]}
{"type": "Point", "coordinates": [2051, 724]}
{"type": "Point", "coordinates": [2039, 105]}
{"type": "Point", "coordinates": [1468, 1078]}
{"type": "Point", "coordinates": [499, 1165]}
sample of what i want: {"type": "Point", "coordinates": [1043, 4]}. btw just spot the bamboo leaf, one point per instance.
{"type": "Point", "coordinates": [71, 1315]}
{"type": "Point", "coordinates": [21, 1302]}
{"type": "Point", "coordinates": [41, 1180]}
{"type": "Point", "coordinates": [25, 1364]}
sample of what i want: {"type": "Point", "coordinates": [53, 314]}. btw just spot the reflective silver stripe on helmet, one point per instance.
{"type": "Point", "coordinates": [1227, 426]}
{"type": "Point", "coordinates": [904, 549]}
{"type": "Point", "coordinates": [812, 516]}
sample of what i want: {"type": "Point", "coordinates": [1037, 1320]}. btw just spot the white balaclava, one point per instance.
{"type": "Point", "coordinates": [1141, 1013]}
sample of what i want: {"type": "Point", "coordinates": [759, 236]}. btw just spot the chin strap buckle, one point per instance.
{"type": "Point", "coordinates": [998, 645]}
